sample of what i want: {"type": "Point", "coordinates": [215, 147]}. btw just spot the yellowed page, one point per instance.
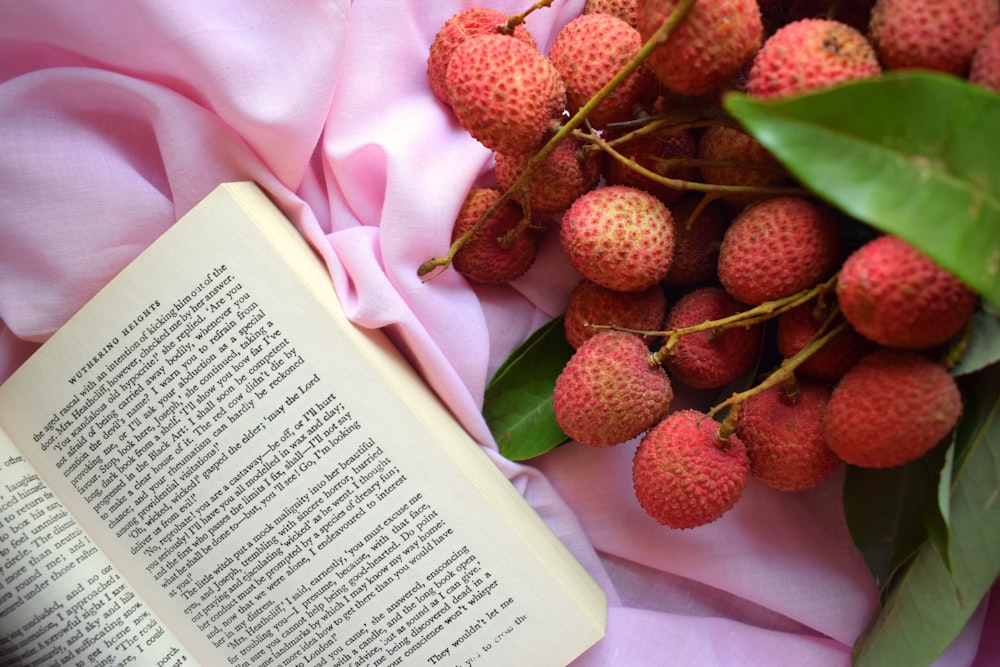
{"type": "Point", "coordinates": [274, 481]}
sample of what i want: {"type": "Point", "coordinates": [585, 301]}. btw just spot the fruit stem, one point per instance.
{"type": "Point", "coordinates": [517, 19]}
{"type": "Point", "coordinates": [660, 36]}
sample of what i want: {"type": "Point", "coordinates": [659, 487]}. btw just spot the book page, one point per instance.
{"type": "Point", "coordinates": [277, 484]}
{"type": "Point", "coordinates": [61, 600]}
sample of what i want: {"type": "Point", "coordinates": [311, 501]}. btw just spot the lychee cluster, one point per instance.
{"type": "Point", "coordinates": [703, 264]}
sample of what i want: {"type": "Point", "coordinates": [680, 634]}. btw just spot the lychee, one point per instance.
{"type": "Point", "coordinates": [466, 23]}
{"type": "Point", "coordinates": [714, 357]}
{"type": "Point", "coordinates": [610, 390]}
{"type": "Point", "coordinates": [504, 92]}
{"type": "Point", "coordinates": [626, 10]}
{"type": "Point", "coordinates": [708, 48]}
{"type": "Point", "coordinates": [777, 247]}
{"type": "Point", "coordinates": [652, 151]}
{"type": "Point", "coordinates": [890, 409]}
{"type": "Point", "coordinates": [985, 68]}
{"type": "Point", "coordinates": [557, 181]}
{"type": "Point", "coordinates": [683, 475]}
{"type": "Point", "coordinates": [591, 304]}
{"type": "Point", "coordinates": [894, 294]}
{"type": "Point", "coordinates": [799, 326]}
{"type": "Point", "coordinates": [783, 435]}
{"type": "Point", "coordinates": [808, 55]}
{"type": "Point", "coordinates": [486, 257]}
{"type": "Point", "coordinates": [733, 157]}
{"type": "Point", "coordinates": [938, 35]}
{"type": "Point", "coordinates": [696, 248]}
{"type": "Point", "coordinates": [619, 237]}
{"type": "Point", "coordinates": [588, 52]}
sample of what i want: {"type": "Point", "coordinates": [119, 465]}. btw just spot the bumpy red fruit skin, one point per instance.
{"type": "Point", "coordinates": [777, 247]}
{"type": "Point", "coordinates": [626, 10]}
{"type": "Point", "coordinates": [696, 252]}
{"type": "Point", "coordinates": [797, 328]}
{"type": "Point", "coordinates": [619, 237]}
{"type": "Point", "coordinates": [591, 50]}
{"type": "Point", "coordinates": [462, 25]}
{"type": "Point", "coordinates": [985, 69]}
{"type": "Point", "coordinates": [893, 294]}
{"type": "Point", "coordinates": [784, 436]}
{"type": "Point", "coordinates": [710, 359]}
{"type": "Point", "coordinates": [890, 409]}
{"type": "Point", "coordinates": [939, 35]}
{"type": "Point", "coordinates": [608, 392]}
{"type": "Point", "coordinates": [709, 47]}
{"type": "Point", "coordinates": [504, 92]}
{"type": "Point", "coordinates": [556, 182]}
{"type": "Point", "coordinates": [482, 258]}
{"type": "Point", "coordinates": [589, 303]}
{"type": "Point", "coordinates": [683, 476]}
{"type": "Point", "coordinates": [649, 151]}
{"type": "Point", "coordinates": [808, 55]}
{"type": "Point", "coordinates": [719, 144]}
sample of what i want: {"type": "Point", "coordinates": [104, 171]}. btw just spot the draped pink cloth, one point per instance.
{"type": "Point", "coordinates": [116, 117]}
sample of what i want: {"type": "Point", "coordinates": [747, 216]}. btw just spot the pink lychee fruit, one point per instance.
{"type": "Point", "coordinates": [590, 304]}
{"type": "Point", "coordinates": [799, 326]}
{"type": "Point", "coordinates": [486, 257]}
{"type": "Point", "coordinates": [783, 435]}
{"type": "Point", "coordinates": [653, 152]}
{"type": "Point", "coordinates": [696, 250]}
{"type": "Point", "coordinates": [610, 390]}
{"type": "Point", "coordinates": [890, 409]}
{"type": "Point", "coordinates": [715, 357]}
{"type": "Point", "coordinates": [808, 55]}
{"type": "Point", "coordinates": [619, 237]}
{"type": "Point", "coordinates": [938, 35]}
{"type": "Point", "coordinates": [777, 247]}
{"type": "Point", "coordinates": [684, 475]}
{"type": "Point", "coordinates": [626, 10]}
{"type": "Point", "coordinates": [504, 92]}
{"type": "Point", "coordinates": [588, 52]}
{"type": "Point", "coordinates": [557, 181]}
{"type": "Point", "coordinates": [715, 40]}
{"type": "Point", "coordinates": [985, 68]}
{"type": "Point", "coordinates": [894, 294]}
{"type": "Point", "coordinates": [462, 25]}
{"type": "Point", "coordinates": [732, 157]}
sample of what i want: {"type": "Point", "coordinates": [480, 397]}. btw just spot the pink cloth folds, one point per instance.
{"type": "Point", "coordinates": [115, 118]}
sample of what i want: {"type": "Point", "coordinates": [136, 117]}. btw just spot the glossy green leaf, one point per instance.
{"type": "Point", "coordinates": [916, 154]}
{"type": "Point", "coordinates": [518, 401]}
{"type": "Point", "coordinates": [929, 603]}
{"type": "Point", "coordinates": [983, 346]}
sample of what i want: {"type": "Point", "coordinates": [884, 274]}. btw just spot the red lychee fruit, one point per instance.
{"type": "Point", "coordinates": [683, 475]}
{"type": "Point", "coordinates": [716, 39]}
{"type": "Point", "coordinates": [504, 92]}
{"type": "Point", "coordinates": [894, 294]}
{"type": "Point", "coordinates": [808, 55]}
{"type": "Point", "coordinates": [557, 181]}
{"type": "Point", "coordinates": [485, 257]}
{"type": "Point", "coordinates": [466, 23]}
{"type": "Point", "coordinates": [712, 358]}
{"type": "Point", "coordinates": [938, 35]}
{"type": "Point", "coordinates": [591, 304]}
{"type": "Point", "coordinates": [696, 248]}
{"type": "Point", "coordinates": [733, 157]}
{"type": "Point", "coordinates": [777, 247]}
{"type": "Point", "coordinates": [651, 151]}
{"type": "Point", "coordinates": [890, 409]}
{"type": "Point", "coordinates": [619, 237]}
{"type": "Point", "coordinates": [798, 327]}
{"type": "Point", "coordinates": [626, 10]}
{"type": "Point", "coordinates": [610, 390]}
{"type": "Point", "coordinates": [783, 435]}
{"type": "Point", "coordinates": [591, 50]}
{"type": "Point", "coordinates": [985, 68]}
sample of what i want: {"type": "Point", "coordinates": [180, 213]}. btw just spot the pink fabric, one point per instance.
{"type": "Point", "coordinates": [116, 117]}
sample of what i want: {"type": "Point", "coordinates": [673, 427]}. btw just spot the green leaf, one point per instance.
{"type": "Point", "coordinates": [886, 510]}
{"type": "Point", "coordinates": [930, 603]}
{"type": "Point", "coordinates": [916, 154]}
{"type": "Point", "coordinates": [983, 345]}
{"type": "Point", "coordinates": [518, 401]}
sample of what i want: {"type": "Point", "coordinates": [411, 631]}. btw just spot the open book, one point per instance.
{"type": "Point", "coordinates": [209, 464]}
